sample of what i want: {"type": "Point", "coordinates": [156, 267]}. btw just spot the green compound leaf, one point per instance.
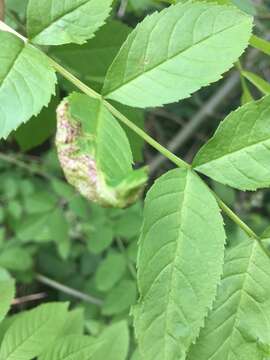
{"type": "Point", "coordinates": [174, 53]}
{"type": "Point", "coordinates": [239, 152]}
{"type": "Point", "coordinates": [95, 153]}
{"type": "Point", "coordinates": [26, 82]}
{"type": "Point", "coordinates": [33, 331]}
{"type": "Point", "coordinates": [7, 291]}
{"type": "Point", "coordinates": [180, 261]}
{"type": "Point", "coordinates": [54, 22]}
{"type": "Point", "coordinates": [238, 326]}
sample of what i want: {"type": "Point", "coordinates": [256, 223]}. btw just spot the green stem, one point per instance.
{"type": "Point", "coordinates": [175, 159]}
{"type": "Point", "coordinates": [260, 44]}
{"type": "Point", "coordinates": [236, 219]}
{"type": "Point", "coordinates": [168, 154]}
{"type": "Point", "coordinates": [93, 94]}
{"type": "Point", "coordinates": [74, 80]}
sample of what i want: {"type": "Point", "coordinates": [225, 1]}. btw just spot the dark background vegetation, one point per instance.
{"type": "Point", "coordinates": [58, 245]}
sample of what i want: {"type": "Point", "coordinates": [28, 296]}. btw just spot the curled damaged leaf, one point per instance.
{"type": "Point", "coordinates": [95, 154]}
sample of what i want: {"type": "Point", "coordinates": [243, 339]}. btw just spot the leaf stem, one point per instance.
{"type": "Point", "coordinates": [161, 149]}
{"type": "Point", "coordinates": [156, 145]}
{"type": "Point", "coordinates": [74, 80]}
{"type": "Point", "coordinates": [235, 218]}
{"type": "Point", "coordinates": [90, 92]}
{"type": "Point", "coordinates": [67, 290]}
{"type": "Point", "coordinates": [260, 44]}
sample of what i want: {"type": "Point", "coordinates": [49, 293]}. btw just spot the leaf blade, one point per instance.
{"type": "Point", "coordinates": [163, 60]}
{"type": "Point", "coordinates": [55, 23]}
{"type": "Point", "coordinates": [27, 82]}
{"type": "Point", "coordinates": [32, 331]}
{"type": "Point", "coordinates": [239, 323]}
{"type": "Point", "coordinates": [174, 295]}
{"type": "Point", "coordinates": [237, 155]}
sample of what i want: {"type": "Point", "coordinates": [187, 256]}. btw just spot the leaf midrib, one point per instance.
{"type": "Point", "coordinates": [173, 272]}
{"type": "Point", "coordinates": [197, 167]}
{"type": "Point", "coordinates": [47, 26]}
{"type": "Point", "coordinates": [170, 58]}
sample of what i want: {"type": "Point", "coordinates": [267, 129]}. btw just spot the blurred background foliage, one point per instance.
{"type": "Point", "coordinates": [60, 246]}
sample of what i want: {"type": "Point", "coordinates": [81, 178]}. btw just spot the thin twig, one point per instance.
{"type": "Point", "coordinates": [68, 290]}
{"type": "Point", "coordinates": [28, 298]}
{"type": "Point", "coordinates": [122, 8]}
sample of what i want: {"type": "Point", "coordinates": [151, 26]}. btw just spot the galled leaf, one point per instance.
{"type": "Point", "coordinates": [95, 153]}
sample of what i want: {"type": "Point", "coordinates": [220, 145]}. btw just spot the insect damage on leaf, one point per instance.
{"type": "Point", "coordinates": [94, 153]}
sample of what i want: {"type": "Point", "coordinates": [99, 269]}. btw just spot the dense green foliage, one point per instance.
{"type": "Point", "coordinates": [162, 279]}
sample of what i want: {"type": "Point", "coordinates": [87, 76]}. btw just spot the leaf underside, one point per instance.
{"type": "Point", "coordinates": [179, 264]}
{"type": "Point", "coordinates": [239, 152]}
{"type": "Point", "coordinates": [174, 53]}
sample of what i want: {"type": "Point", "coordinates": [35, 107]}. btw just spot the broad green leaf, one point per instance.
{"type": "Point", "coordinates": [54, 22]}
{"type": "Point", "coordinates": [7, 293]}
{"type": "Point", "coordinates": [257, 81]}
{"type": "Point", "coordinates": [238, 325]}
{"type": "Point", "coordinates": [115, 342]}
{"type": "Point", "coordinates": [47, 226]}
{"type": "Point", "coordinates": [43, 126]}
{"type": "Point", "coordinates": [179, 264]}
{"type": "Point", "coordinates": [110, 271]}
{"type": "Point", "coordinates": [15, 258]}
{"type": "Point", "coordinates": [260, 44]}
{"type": "Point", "coordinates": [27, 82]}
{"type": "Point", "coordinates": [33, 331]}
{"type": "Point", "coordinates": [120, 298]}
{"type": "Point", "coordinates": [238, 153]}
{"type": "Point", "coordinates": [174, 53]}
{"type": "Point", "coordinates": [95, 153]}
{"type": "Point", "coordinates": [74, 323]}
{"type": "Point", "coordinates": [100, 237]}
{"type": "Point", "coordinates": [72, 347]}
